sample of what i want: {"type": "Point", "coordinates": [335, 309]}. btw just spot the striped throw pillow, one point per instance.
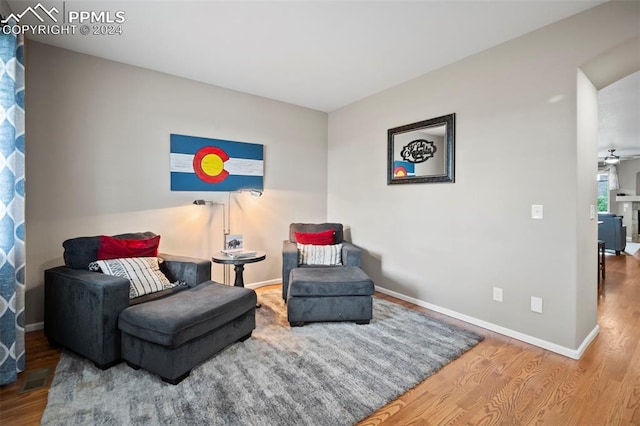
{"type": "Point", "coordinates": [143, 273]}
{"type": "Point", "coordinates": [309, 254]}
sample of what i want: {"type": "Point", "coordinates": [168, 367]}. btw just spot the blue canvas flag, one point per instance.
{"type": "Point", "coordinates": [203, 164]}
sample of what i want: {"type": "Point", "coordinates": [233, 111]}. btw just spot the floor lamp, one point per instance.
{"type": "Point", "coordinates": [226, 223]}
{"type": "Point", "coordinates": [226, 226]}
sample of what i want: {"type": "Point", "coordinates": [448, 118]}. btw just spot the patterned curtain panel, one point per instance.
{"type": "Point", "coordinates": [12, 250]}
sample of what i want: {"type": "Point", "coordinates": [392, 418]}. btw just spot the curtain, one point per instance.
{"type": "Point", "coordinates": [12, 244]}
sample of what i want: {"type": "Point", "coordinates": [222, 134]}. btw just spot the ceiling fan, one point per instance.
{"type": "Point", "coordinates": [613, 158]}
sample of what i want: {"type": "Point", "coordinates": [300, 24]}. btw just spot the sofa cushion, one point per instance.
{"type": "Point", "coordinates": [331, 281]}
{"type": "Point", "coordinates": [318, 238]}
{"type": "Point", "coordinates": [80, 251]}
{"type": "Point", "coordinates": [118, 248]}
{"type": "Point", "coordinates": [177, 286]}
{"type": "Point", "coordinates": [316, 227]}
{"type": "Point", "coordinates": [309, 254]}
{"type": "Point", "coordinates": [142, 272]}
{"type": "Point", "coordinates": [187, 315]}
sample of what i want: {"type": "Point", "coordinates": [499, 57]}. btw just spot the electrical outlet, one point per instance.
{"type": "Point", "coordinates": [497, 294]}
{"type": "Point", "coordinates": [536, 211]}
{"type": "Point", "coordinates": [536, 304]}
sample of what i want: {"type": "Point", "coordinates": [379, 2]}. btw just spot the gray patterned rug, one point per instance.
{"type": "Point", "coordinates": [319, 374]}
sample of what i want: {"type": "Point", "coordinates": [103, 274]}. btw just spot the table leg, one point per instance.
{"type": "Point", "coordinates": [239, 281]}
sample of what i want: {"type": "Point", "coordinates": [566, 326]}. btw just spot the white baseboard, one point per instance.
{"type": "Point", "coordinates": [553, 347]}
{"type": "Point", "coordinates": [264, 283]}
{"type": "Point", "coordinates": [587, 341]}
{"type": "Point", "coordinates": [562, 350]}
{"type": "Point", "coordinates": [33, 327]}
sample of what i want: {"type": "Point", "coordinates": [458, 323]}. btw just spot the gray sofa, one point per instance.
{"type": "Point", "coordinates": [82, 307]}
{"type": "Point", "coordinates": [612, 232]}
{"type": "Point", "coordinates": [325, 293]}
{"type": "Point", "coordinates": [350, 254]}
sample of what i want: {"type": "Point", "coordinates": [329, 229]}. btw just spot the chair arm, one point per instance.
{"type": "Point", "coordinates": [289, 262]}
{"type": "Point", "coordinates": [351, 255]}
{"type": "Point", "coordinates": [191, 270]}
{"type": "Point", "coordinates": [81, 311]}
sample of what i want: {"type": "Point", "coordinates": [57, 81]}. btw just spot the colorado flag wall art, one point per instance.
{"type": "Point", "coordinates": [202, 164]}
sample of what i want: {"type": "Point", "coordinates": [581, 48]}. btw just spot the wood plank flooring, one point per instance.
{"type": "Point", "coordinates": [500, 381]}
{"type": "Point", "coordinates": [27, 408]}
{"type": "Point", "coordinates": [505, 381]}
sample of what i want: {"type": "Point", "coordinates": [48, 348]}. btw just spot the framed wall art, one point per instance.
{"type": "Point", "coordinates": [422, 152]}
{"type": "Point", "coordinates": [203, 164]}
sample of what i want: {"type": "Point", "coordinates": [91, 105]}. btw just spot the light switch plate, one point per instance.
{"type": "Point", "coordinates": [592, 212]}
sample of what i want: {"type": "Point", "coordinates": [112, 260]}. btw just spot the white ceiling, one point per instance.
{"type": "Point", "coordinates": [326, 54]}
{"type": "Point", "coordinates": [619, 117]}
{"type": "Point", "coordinates": [321, 54]}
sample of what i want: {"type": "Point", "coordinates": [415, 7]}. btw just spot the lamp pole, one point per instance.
{"type": "Point", "coordinates": [226, 229]}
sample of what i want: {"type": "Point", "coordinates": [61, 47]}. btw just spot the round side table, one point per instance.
{"type": "Point", "coordinates": [238, 263]}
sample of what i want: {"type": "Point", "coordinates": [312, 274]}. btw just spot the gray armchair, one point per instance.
{"type": "Point", "coordinates": [612, 232]}
{"type": "Point", "coordinates": [351, 255]}
{"type": "Point", "coordinates": [82, 307]}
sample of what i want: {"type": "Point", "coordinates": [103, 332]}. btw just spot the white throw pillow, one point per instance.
{"type": "Point", "coordinates": [309, 254]}
{"type": "Point", "coordinates": [143, 273]}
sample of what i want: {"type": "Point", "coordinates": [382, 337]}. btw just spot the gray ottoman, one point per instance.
{"type": "Point", "coordinates": [336, 293]}
{"type": "Point", "coordinates": [172, 335]}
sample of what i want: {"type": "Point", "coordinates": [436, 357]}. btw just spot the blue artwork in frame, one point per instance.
{"type": "Point", "coordinates": [203, 164]}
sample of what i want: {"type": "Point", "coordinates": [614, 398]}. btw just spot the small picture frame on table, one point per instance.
{"type": "Point", "coordinates": [233, 242]}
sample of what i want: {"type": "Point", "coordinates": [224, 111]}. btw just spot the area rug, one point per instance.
{"type": "Point", "coordinates": [632, 248]}
{"type": "Point", "coordinates": [319, 374]}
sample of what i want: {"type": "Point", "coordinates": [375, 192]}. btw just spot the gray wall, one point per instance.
{"type": "Point", "coordinates": [586, 195]}
{"type": "Point", "coordinates": [517, 144]}
{"type": "Point", "coordinates": [628, 176]}
{"type": "Point", "coordinates": [629, 180]}
{"type": "Point", "coordinates": [97, 140]}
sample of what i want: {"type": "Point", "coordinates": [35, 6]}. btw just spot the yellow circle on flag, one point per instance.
{"type": "Point", "coordinates": [212, 164]}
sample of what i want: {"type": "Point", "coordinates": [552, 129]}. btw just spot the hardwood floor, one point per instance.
{"type": "Point", "coordinates": [505, 381]}
{"type": "Point", "coordinates": [27, 408]}
{"type": "Point", "coordinates": [500, 381]}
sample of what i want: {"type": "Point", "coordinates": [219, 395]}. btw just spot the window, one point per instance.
{"type": "Point", "coordinates": [603, 192]}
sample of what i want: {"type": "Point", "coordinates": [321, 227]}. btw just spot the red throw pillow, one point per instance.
{"type": "Point", "coordinates": [323, 238]}
{"type": "Point", "coordinates": [115, 248]}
